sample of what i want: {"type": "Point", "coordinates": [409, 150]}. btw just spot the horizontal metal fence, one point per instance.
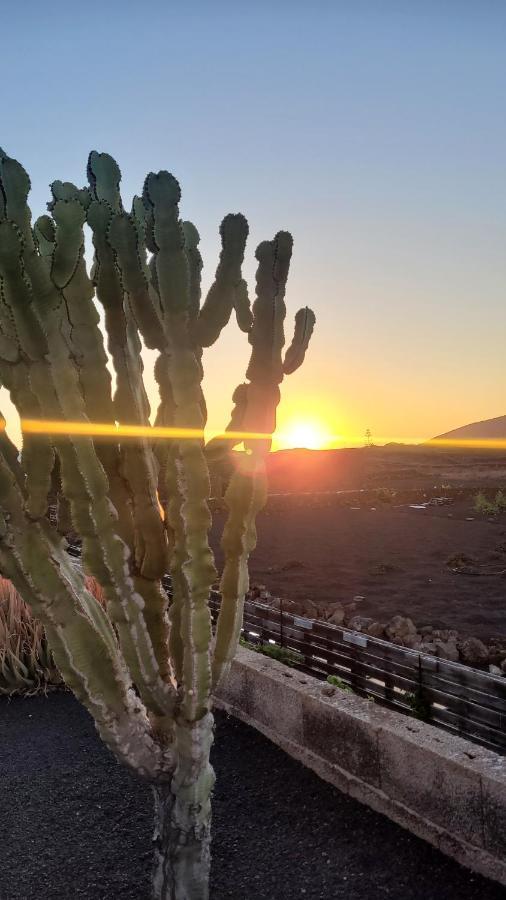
{"type": "Point", "coordinates": [465, 701]}
{"type": "Point", "coordinates": [457, 698]}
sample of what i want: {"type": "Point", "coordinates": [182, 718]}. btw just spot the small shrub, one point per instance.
{"type": "Point", "coordinates": [490, 507]}
{"type": "Point", "coordinates": [274, 651]}
{"type": "Point", "coordinates": [385, 495]}
{"type": "Point", "coordinates": [339, 683]}
{"type": "Point", "coordinates": [419, 705]}
{"type": "Point", "coordinates": [26, 663]}
{"type": "Point", "coordinates": [483, 506]}
{"type": "Point", "coordinates": [500, 501]}
{"type": "Point", "coordinates": [457, 560]}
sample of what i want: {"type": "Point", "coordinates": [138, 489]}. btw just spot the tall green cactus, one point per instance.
{"type": "Point", "coordinates": [146, 673]}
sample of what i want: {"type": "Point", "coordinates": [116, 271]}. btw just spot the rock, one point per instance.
{"type": "Point", "coordinates": [503, 666]}
{"type": "Point", "coordinates": [302, 608]}
{"type": "Point", "coordinates": [337, 616]}
{"type": "Point", "coordinates": [496, 654]}
{"type": "Point", "coordinates": [445, 634]}
{"type": "Point", "coordinates": [376, 629]}
{"type": "Point", "coordinates": [331, 608]}
{"type": "Point", "coordinates": [447, 650]}
{"type": "Point", "coordinates": [359, 623]}
{"type": "Point", "coordinates": [473, 652]}
{"type": "Point", "coordinates": [310, 610]}
{"type": "Point", "coordinates": [495, 670]}
{"type": "Point", "coordinates": [402, 630]}
{"type": "Point", "coordinates": [274, 602]}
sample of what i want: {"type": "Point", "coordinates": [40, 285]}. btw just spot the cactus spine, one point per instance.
{"type": "Point", "coordinates": [145, 673]}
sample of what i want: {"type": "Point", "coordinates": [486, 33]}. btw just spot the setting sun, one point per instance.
{"type": "Point", "coordinates": [304, 433]}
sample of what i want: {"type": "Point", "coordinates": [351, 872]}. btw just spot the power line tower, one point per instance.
{"type": "Point", "coordinates": [368, 438]}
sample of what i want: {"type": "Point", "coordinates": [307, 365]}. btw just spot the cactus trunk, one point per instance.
{"type": "Point", "coordinates": [182, 862]}
{"type": "Point", "coordinates": [182, 836]}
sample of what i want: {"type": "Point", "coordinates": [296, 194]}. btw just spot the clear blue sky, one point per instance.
{"type": "Point", "coordinates": [375, 132]}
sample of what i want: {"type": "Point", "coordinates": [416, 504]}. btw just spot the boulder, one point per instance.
{"type": "Point", "coordinates": [330, 608]}
{"type": "Point", "coordinates": [495, 670]}
{"type": "Point", "coordinates": [496, 654]}
{"type": "Point", "coordinates": [337, 615]}
{"type": "Point", "coordinates": [446, 634]}
{"type": "Point", "coordinates": [447, 650]}
{"type": "Point", "coordinates": [359, 623]}
{"type": "Point", "coordinates": [473, 652]}
{"type": "Point", "coordinates": [303, 608]}
{"type": "Point", "coordinates": [376, 629]}
{"type": "Point", "coordinates": [402, 630]}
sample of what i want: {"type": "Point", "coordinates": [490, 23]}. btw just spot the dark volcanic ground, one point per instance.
{"type": "Point", "coordinates": [73, 824]}
{"type": "Point", "coordinates": [394, 556]}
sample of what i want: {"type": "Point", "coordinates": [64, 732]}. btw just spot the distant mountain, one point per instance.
{"type": "Point", "coordinates": [487, 430]}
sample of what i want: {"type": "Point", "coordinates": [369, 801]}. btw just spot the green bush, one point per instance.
{"type": "Point", "coordinates": [339, 683]}
{"type": "Point", "coordinates": [483, 506]}
{"type": "Point", "coordinates": [274, 651]}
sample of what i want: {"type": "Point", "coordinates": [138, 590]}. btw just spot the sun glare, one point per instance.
{"type": "Point", "coordinates": [308, 434]}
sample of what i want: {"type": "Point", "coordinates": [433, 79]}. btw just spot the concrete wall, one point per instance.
{"type": "Point", "coordinates": [442, 788]}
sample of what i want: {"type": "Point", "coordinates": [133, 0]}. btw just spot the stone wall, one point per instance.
{"type": "Point", "coordinates": [444, 789]}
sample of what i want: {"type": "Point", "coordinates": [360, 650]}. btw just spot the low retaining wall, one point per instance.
{"type": "Point", "coordinates": [442, 788]}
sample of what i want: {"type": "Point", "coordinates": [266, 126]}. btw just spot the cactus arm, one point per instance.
{"type": "Point", "coordinates": [83, 334]}
{"type": "Point", "coordinates": [161, 197]}
{"type": "Point", "coordinates": [304, 325]}
{"type": "Point", "coordinates": [255, 411]}
{"type": "Point", "coordinates": [104, 176]}
{"type": "Point", "coordinates": [198, 569]}
{"type": "Point", "coordinates": [37, 452]}
{"type": "Point", "coordinates": [122, 286]}
{"type": "Point", "coordinates": [131, 404]}
{"type": "Point", "coordinates": [242, 306]}
{"type": "Point", "coordinates": [178, 557]}
{"type": "Point", "coordinates": [104, 554]}
{"type": "Point", "coordinates": [245, 497]}
{"type": "Point", "coordinates": [20, 324]}
{"type": "Point", "coordinates": [81, 638]}
{"type": "Point", "coordinates": [221, 445]}
{"type": "Point", "coordinates": [194, 260]}
{"type": "Point", "coordinates": [228, 287]}
{"type": "Point", "coordinates": [125, 238]}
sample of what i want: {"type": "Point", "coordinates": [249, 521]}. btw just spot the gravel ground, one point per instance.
{"type": "Point", "coordinates": [73, 824]}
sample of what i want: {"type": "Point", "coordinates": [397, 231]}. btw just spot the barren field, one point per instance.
{"type": "Point", "coordinates": [389, 559]}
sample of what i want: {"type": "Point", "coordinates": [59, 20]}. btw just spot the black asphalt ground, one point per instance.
{"type": "Point", "coordinates": [73, 824]}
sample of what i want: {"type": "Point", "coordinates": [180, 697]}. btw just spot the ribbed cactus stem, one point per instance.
{"type": "Point", "coordinates": [244, 498]}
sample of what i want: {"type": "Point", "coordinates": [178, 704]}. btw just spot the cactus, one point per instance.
{"type": "Point", "coordinates": [146, 673]}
